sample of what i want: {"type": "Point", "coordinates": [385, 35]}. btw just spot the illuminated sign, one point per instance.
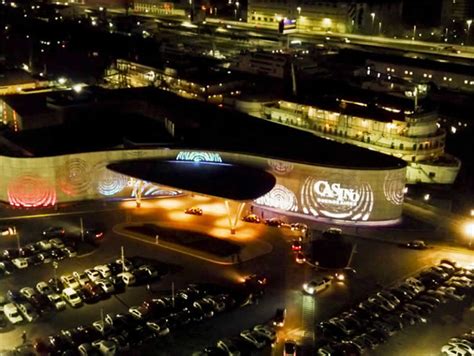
{"type": "Point", "coordinates": [331, 199]}
{"type": "Point", "coordinates": [279, 197]}
{"type": "Point", "coordinates": [286, 25]}
{"type": "Point", "coordinates": [30, 191]}
{"type": "Point", "coordinates": [394, 187]}
{"type": "Point", "coordinates": [199, 156]}
{"type": "Point", "coordinates": [280, 167]}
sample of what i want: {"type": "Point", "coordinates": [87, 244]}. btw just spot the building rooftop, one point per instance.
{"type": "Point", "coordinates": [198, 126]}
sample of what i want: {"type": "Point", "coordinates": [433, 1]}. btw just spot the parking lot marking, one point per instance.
{"type": "Point", "coordinates": [87, 254]}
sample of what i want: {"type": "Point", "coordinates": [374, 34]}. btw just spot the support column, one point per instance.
{"type": "Point", "coordinates": [138, 197]}
{"type": "Point", "coordinates": [233, 222]}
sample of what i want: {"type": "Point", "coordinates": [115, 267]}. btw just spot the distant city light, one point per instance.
{"type": "Point", "coordinates": [426, 197]}
{"type": "Point", "coordinates": [77, 88]}
{"type": "Point", "coordinates": [62, 80]}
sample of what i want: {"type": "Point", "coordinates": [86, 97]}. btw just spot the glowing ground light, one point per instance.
{"type": "Point", "coordinates": [30, 191]}
{"type": "Point", "coordinates": [198, 156]}
{"type": "Point", "coordinates": [394, 187]}
{"type": "Point", "coordinates": [74, 177]}
{"type": "Point", "coordinates": [280, 167]}
{"type": "Point", "coordinates": [336, 200]}
{"type": "Point", "coordinates": [279, 197]}
{"type": "Point", "coordinates": [108, 182]}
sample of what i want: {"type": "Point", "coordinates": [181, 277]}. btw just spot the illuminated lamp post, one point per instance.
{"type": "Point", "coordinates": [17, 235]}
{"type": "Point", "coordinates": [372, 15]}
{"type": "Point", "coordinates": [469, 230]}
{"type": "Point", "coordinates": [469, 23]}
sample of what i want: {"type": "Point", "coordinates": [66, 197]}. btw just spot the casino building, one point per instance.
{"type": "Point", "coordinates": [315, 178]}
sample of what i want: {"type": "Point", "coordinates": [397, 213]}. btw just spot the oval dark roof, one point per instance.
{"type": "Point", "coordinates": [223, 180]}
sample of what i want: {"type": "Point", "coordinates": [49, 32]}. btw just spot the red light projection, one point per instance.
{"type": "Point", "coordinates": [31, 191]}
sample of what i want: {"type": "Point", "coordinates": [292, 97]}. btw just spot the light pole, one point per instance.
{"type": "Point", "coordinates": [17, 235]}
{"type": "Point", "coordinates": [469, 23]}
{"type": "Point", "coordinates": [469, 229]}
{"type": "Point", "coordinates": [299, 10]}
{"type": "Point", "coordinates": [372, 14]}
{"type": "Point", "coordinates": [414, 32]}
{"type": "Point", "coordinates": [55, 267]}
{"type": "Point", "coordinates": [380, 28]}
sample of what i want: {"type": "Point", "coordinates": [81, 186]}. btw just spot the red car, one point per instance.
{"type": "Point", "coordinates": [296, 245]}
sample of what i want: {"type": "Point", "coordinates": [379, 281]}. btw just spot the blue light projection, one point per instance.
{"type": "Point", "coordinates": [199, 156]}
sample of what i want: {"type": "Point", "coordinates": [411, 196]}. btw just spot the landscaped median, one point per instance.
{"type": "Point", "coordinates": [194, 243]}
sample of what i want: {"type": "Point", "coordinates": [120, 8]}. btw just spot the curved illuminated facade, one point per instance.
{"type": "Point", "coordinates": [340, 194]}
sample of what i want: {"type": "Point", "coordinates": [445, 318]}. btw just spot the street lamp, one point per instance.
{"type": "Point", "coordinates": [299, 10]}
{"type": "Point", "coordinates": [380, 28]}
{"type": "Point", "coordinates": [469, 229]}
{"type": "Point", "coordinates": [469, 23]}
{"type": "Point", "coordinates": [414, 32]}
{"type": "Point", "coordinates": [372, 14]}
{"type": "Point", "coordinates": [55, 268]}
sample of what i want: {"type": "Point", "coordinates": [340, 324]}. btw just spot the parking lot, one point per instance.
{"type": "Point", "coordinates": [378, 264]}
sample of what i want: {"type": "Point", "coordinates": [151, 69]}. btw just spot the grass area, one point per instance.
{"type": "Point", "coordinates": [188, 239]}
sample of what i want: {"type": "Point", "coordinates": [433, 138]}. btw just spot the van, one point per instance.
{"type": "Point", "coordinates": [128, 278]}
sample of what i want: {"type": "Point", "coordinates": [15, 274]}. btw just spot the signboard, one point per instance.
{"type": "Point", "coordinates": [287, 26]}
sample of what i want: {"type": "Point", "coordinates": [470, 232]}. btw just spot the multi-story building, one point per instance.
{"type": "Point", "coordinates": [413, 136]}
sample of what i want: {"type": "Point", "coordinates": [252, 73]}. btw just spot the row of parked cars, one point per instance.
{"type": "Point", "coordinates": [90, 286]}
{"type": "Point", "coordinates": [388, 311]}
{"type": "Point", "coordinates": [33, 254]}
{"type": "Point", "coordinates": [462, 345]}
{"type": "Point", "coordinates": [154, 318]}
{"type": "Point", "coordinates": [248, 341]}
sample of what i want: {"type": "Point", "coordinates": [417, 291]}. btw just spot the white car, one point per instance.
{"type": "Point", "coordinates": [127, 265]}
{"type": "Point", "coordinates": [103, 270]}
{"type": "Point", "coordinates": [416, 284]}
{"type": "Point", "coordinates": [229, 347]}
{"type": "Point", "coordinates": [382, 302]}
{"type": "Point", "coordinates": [20, 262]}
{"type": "Point", "coordinates": [56, 300]}
{"type": "Point", "coordinates": [159, 328]}
{"type": "Point", "coordinates": [81, 278]}
{"type": "Point", "coordinates": [44, 288]}
{"type": "Point", "coordinates": [45, 245]}
{"type": "Point", "coordinates": [106, 286]}
{"type": "Point", "coordinates": [72, 297]}
{"type": "Point", "coordinates": [105, 347]}
{"type": "Point", "coordinates": [70, 252]}
{"type": "Point", "coordinates": [255, 338]}
{"type": "Point", "coordinates": [93, 274]}
{"type": "Point", "coordinates": [128, 278]}
{"type": "Point", "coordinates": [56, 243]}
{"type": "Point", "coordinates": [28, 312]}
{"type": "Point", "coordinates": [457, 350]}
{"type": "Point", "coordinates": [451, 292]}
{"type": "Point", "coordinates": [11, 312]}
{"type": "Point", "coordinates": [314, 287]}
{"type": "Point", "coordinates": [7, 231]}
{"type": "Point", "coordinates": [69, 282]}
{"type": "Point", "coordinates": [28, 292]}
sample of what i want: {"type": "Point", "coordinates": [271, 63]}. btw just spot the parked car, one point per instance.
{"type": "Point", "coordinates": [81, 278]}
{"type": "Point", "coordinates": [128, 278]}
{"type": "Point", "coordinates": [56, 301]}
{"type": "Point", "coordinates": [57, 243]}
{"type": "Point", "coordinates": [7, 230]}
{"type": "Point", "coordinates": [28, 312]}
{"type": "Point", "coordinates": [11, 312]}
{"type": "Point", "coordinates": [193, 211]}
{"type": "Point", "coordinates": [92, 274]}
{"type": "Point", "coordinates": [20, 262]}
{"type": "Point", "coordinates": [256, 339]}
{"type": "Point", "coordinates": [106, 286]}
{"type": "Point", "coordinates": [415, 244]}
{"type": "Point", "coordinates": [274, 222]}
{"type": "Point", "coordinates": [69, 252]}
{"type": "Point", "coordinates": [118, 284]}
{"type": "Point", "coordinates": [45, 245]}
{"type": "Point", "coordinates": [69, 281]}
{"type": "Point", "coordinates": [103, 270]}
{"type": "Point", "coordinates": [229, 347]}
{"type": "Point", "coordinates": [289, 348]}
{"type": "Point", "coordinates": [71, 296]}
{"type": "Point", "coordinates": [251, 218]}
{"type": "Point", "coordinates": [43, 288]}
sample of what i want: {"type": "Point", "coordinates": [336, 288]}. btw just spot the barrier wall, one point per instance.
{"type": "Point", "coordinates": [324, 192]}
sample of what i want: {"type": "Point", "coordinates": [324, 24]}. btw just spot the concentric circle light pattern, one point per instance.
{"type": "Point", "coordinates": [280, 167]}
{"type": "Point", "coordinates": [30, 191]}
{"type": "Point", "coordinates": [198, 156]}
{"type": "Point", "coordinates": [393, 186]}
{"type": "Point", "coordinates": [74, 177]}
{"type": "Point", "coordinates": [107, 182]}
{"type": "Point", "coordinates": [334, 200]}
{"type": "Point", "coordinates": [149, 189]}
{"type": "Point", "coordinates": [279, 197]}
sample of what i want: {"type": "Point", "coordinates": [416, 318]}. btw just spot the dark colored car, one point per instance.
{"type": "Point", "coordinates": [330, 331]}
{"type": "Point", "coordinates": [118, 283]}
{"type": "Point", "coordinates": [57, 254]}
{"type": "Point", "coordinates": [53, 232]}
{"type": "Point", "coordinates": [15, 296]}
{"type": "Point", "coordinates": [273, 222]}
{"type": "Point", "coordinates": [141, 276]}
{"type": "Point", "coordinates": [58, 344]}
{"type": "Point", "coordinates": [11, 253]}
{"type": "Point", "coordinates": [415, 244]}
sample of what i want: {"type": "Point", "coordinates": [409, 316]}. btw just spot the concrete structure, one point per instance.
{"type": "Point", "coordinates": [333, 193]}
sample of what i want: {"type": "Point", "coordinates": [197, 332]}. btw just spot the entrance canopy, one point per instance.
{"type": "Point", "coordinates": [223, 180]}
